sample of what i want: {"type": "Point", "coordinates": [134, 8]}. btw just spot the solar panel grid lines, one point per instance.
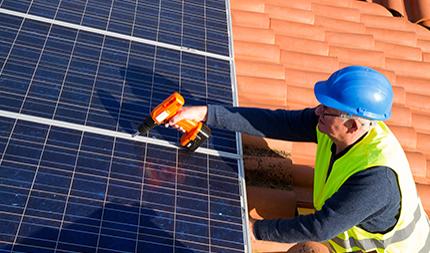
{"type": "Point", "coordinates": [76, 77]}
{"type": "Point", "coordinates": [158, 183]}
{"type": "Point", "coordinates": [210, 37]}
{"type": "Point", "coordinates": [73, 93]}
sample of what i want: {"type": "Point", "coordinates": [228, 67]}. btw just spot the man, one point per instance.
{"type": "Point", "coordinates": [364, 194]}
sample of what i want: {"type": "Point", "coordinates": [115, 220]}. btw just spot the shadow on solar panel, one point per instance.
{"type": "Point", "coordinates": [97, 229]}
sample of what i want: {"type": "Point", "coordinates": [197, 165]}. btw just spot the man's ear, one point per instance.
{"type": "Point", "coordinates": [351, 125]}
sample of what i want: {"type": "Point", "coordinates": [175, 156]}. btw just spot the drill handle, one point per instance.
{"type": "Point", "coordinates": [187, 124]}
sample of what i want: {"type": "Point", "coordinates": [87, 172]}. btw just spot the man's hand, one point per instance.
{"type": "Point", "coordinates": [251, 228]}
{"type": "Point", "coordinates": [195, 113]}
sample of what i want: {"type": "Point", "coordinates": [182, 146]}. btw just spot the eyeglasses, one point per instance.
{"type": "Point", "coordinates": [340, 115]}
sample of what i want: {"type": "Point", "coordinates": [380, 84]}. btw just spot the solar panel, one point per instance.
{"type": "Point", "coordinates": [76, 78]}
{"type": "Point", "coordinates": [194, 24]}
{"type": "Point", "coordinates": [101, 81]}
{"type": "Point", "coordinates": [68, 190]}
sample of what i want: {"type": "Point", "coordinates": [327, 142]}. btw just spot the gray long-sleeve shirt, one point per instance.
{"type": "Point", "coordinates": [369, 199]}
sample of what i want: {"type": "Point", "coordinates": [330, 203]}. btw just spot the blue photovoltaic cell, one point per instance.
{"type": "Point", "coordinates": [199, 25]}
{"type": "Point", "coordinates": [94, 80]}
{"type": "Point", "coordinates": [64, 190]}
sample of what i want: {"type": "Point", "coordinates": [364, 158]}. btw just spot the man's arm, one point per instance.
{"type": "Point", "coordinates": [297, 125]}
{"type": "Point", "coordinates": [370, 199]}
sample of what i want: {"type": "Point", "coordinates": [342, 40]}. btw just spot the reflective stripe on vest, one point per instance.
{"type": "Point", "coordinates": [400, 235]}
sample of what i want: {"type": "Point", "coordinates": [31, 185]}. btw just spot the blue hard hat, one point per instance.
{"type": "Point", "coordinates": [357, 90]}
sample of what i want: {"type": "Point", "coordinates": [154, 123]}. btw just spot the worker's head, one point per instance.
{"type": "Point", "coordinates": [354, 95]}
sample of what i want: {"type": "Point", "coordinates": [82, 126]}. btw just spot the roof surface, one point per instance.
{"type": "Point", "coordinates": [283, 47]}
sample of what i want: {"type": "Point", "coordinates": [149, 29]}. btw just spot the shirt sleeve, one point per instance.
{"type": "Point", "coordinates": [368, 197]}
{"type": "Point", "coordinates": [292, 125]}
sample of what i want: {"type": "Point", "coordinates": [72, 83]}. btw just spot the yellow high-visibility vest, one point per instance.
{"type": "Point", "coordinates": [378, 148]}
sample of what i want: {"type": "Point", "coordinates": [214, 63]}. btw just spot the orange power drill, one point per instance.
{"type": "Point", "coordinates": [195, 132]}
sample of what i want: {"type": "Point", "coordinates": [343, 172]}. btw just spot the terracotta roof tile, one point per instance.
{"type": "Point", "coordinates": [369, 8]}
{"type": "Point", "coordinates": [305, 148]}
{"type": "Point", "coordinates": [257, 51]}
{"type": "Point", "coordinates": [426, 57]}
{"type": "Point", "coordinates": [421, 121]}
{"type": "Point", "coordinates": [300, 95]}
{"type": "Point", "coordinates": [352, 56]}
{"type": "Point", "coordinates": [333, 24]}
{"type": "Point", "coordinates": [394, 36]}
{"type": "Point", "coordinates": [408, 68]}
{"type": "Point", "coordinates": [250, 19]}
{"type": "Point", "coordinates": [424, 192]}
{"type": "Point", "coordinates": [272, 93]}
{"type": "Point", "coordinates": [423, 143]}
{"type": "Point", "coordinates": [301, 159]}
{"type": "Point", "coordinates": [296, 29]}
{"type": "Point", "coordinates": [400, 116]}
{"type": "Point", "coordinates": [269, 208]}
{"type": "Point", "coordinates": [301, 45]}
{"type": "Point", "coordinates": [303, 176]}
{"type": "Point", "coordinates": [257, 69]}
{"type": "Point", "coordinates": [428, 173]}
{"type": "Point", "coordinates": [345, 3]}
{"type": "Point", "coordinates": [290, 14]}
{"type": "Point", "coordinates": [414, 85]}
{"type": "Point", "coordinates": [351, 40]}
{"type": "Point", "coordinates": [418, 164]}
{"type": "Point", "coordinates": [247, 5]}
{"type": "Point", "coordinates": [419, 10]}
{"type": "Point", "coordinates": [309, 61]}
{"type": "Point", "coordinates": [386, 22]}
{"type": "Point", "coordinates": [257, 142]}
{"type": "Point", "coordinates": [304, 77]}
{"type": "Point", "coordinates": [399, 95]}
{"type": "Point", "coordinates": [399, 51]}
{"type": "Point", "coordinates": [418, 101]}
{"type": "Point", "coordinates": [254, 35]}
{"type": "Point", "coordinates": [397, 5]}
{"type": "Point", "coordinates": [391, 75]}
{"type": "Point", "coordinates": [422, 32]}
{"type": "Point", "coordinates": [424, 44]}
{"type": "Point", "coordinates": [337, 12]}
{"type": "Point", "coordinates": [406, 136]}
{"type": "Point", "coordinates": [303, 4]}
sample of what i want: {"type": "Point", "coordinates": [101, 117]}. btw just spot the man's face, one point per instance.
{"type": "Point", "coordinates": [330, 122]}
